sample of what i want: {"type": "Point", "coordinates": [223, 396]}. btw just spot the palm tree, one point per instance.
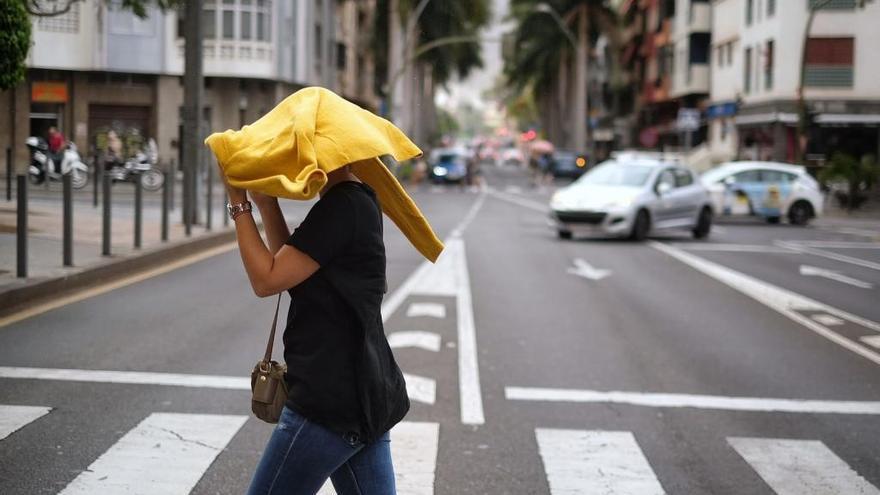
{"type": "Point", "coordinates": [543, 60]}
{"type": "Point", "coordinates": [440, 20]}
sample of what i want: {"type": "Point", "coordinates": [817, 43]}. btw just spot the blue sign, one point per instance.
{"type": "Point", "coordinates": [721, 110]}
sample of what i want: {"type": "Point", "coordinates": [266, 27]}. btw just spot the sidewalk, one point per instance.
{"type": "Point", "coordinates": [46, 273]}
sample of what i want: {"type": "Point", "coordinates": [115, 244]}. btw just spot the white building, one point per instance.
{"type": "Point", "coordinates": [755, 71]}
{"type": "Point", "coordinates": [98, 68]}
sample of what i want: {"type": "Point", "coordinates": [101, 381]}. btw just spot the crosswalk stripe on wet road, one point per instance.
{"type": "Point", "coordinates": [14, 417]}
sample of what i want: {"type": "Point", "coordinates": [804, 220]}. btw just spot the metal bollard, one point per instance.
{"type": "Point", "coordinates": [209, 198]}
{"type": "Point", "coordinates": [138, 213]}
{"type": "Point", "coordinates": [21, 227]}
{"type": "Point", "coordinates": [225, 215]}
{"type": "Point", "coordinates": [8, 173]}
{"type": "Point", "coordinates": [171, 175]}
{"type": "Point", "coordinates": [166, 199]}
{"type": "Point", "coordinates": [67, 199]}
{"type": "Point", "coordinates": [105, 238]}
{"type": "Point", "coordinates": [99, 176]}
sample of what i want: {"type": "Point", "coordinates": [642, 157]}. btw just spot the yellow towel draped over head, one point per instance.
{"type": "Point", "coordinates": [290, 150]}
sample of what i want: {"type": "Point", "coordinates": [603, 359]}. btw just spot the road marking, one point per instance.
{"type": "Point", "coordinates": [828, 320]}
{"type": "Point", "coordinates": [421, 340]}
{"type": "Point", "coordinates": [734, 248]}
{"type": "Point", "coordinates": [166, 453]}
{"type": "Point", "coordinates": [871, 340]}
{"type": "Point", "coordinates": [784, 301]}
{"type": "Point", "coordinates": [449, 277]}
{"type": "Point", "coordinates": [813, 271]}
{"type": "Point", "coordinates": [414, 453]}
{"type": "Point", "coordinates": [588, 462]}
{"type": "Point", "coordinates": [800, 467]}
{"type": "Point", "coordinates": [525, 203]}
{"type": "Point", "coordinates": [117, 284]}
{"type": "Point", "coordinates": [838, 244]}
{"type": "Point", "coordinates": [128, 377]}
{"type": "Point", "coordinates": [420, 389]}
{"type": "Point", "coordinates": [830, 255]}
{"type": "Point", "coordinates": [647, 399]}
{"type": "Point", "coordinates": [433, 310]}
{"type": "Point", "coordinates": [13, 418]}
{"type": "Point", "coordinates": [583, 269]}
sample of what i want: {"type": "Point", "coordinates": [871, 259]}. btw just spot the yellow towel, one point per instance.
{"type": "Point", "coordinates": [290, 150]}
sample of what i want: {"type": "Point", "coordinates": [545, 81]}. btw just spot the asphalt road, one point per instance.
{"type": "Point", "coordinates": [737, 369]}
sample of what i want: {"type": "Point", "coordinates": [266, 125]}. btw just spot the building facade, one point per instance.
{"type": "Point", "coordinates": [99, 68]}
{"type": "Point", "coordinates": [756, 54]}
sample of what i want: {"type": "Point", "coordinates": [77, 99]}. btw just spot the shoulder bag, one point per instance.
{"type": "Point", "coordinates": [268, 386]}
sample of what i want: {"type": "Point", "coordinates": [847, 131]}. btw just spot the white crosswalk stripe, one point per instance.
{"type": "Point", "coordinates": [166, 453]}
{"type": "Point", "coordinates": [414, 453]}
{"type": "Point", "coordinates": [588, 462]}
{"type": "Point", "coordinates": [800, 467]}
{"type": "Point", "coordinates": [14, 417]}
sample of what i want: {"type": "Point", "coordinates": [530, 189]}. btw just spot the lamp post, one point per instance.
{"type": "Point", "coordinates": [579, 43]}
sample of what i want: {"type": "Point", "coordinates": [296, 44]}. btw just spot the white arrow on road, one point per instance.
{"type": "Point", "coordinates": [583, 269]}
{"type": "Point", "coordinates": [812, 271]}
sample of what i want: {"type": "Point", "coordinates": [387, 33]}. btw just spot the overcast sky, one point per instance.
{"type": "Point", "coordinates": [471, 89]}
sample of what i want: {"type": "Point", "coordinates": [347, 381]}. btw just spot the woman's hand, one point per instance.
{"type": "Point", "coordinates": [262, 199]}
{"type": "Point", "coordinates": [236, 194]}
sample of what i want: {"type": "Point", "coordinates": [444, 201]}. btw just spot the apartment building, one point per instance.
{"type": "Point", "coordinates": [755, 76]}
{"type": "Point", "coordinates": [666, 58]}
{"type": "Point", "coordinates": [99, 68]}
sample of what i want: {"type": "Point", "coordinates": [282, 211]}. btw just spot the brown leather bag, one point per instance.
{"type": "Point", "coordinates": [268, 387]}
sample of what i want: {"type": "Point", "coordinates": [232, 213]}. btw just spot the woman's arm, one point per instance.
{"type": "Point", "coordinates": [268, 273]}
{"type": "Point", "coordinates": [274, 224]}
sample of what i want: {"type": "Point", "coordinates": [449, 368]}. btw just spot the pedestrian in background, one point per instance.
{"type": "Point", "coordinates": [56, 144]}
{"type": "Point", "coordinates": [345, 390]}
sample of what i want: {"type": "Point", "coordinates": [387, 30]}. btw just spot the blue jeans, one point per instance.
{"type": "Point", "coordinates": [302, 455]}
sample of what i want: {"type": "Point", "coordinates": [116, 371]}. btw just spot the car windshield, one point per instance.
{"type": "Point", "coordinates": [617, 174]}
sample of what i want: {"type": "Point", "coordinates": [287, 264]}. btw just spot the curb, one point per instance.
{"type": "Point", "coordinates": [16, 299]}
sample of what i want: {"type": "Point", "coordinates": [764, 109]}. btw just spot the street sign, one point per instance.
{"type": "Point", "coordinates": [688, 119]}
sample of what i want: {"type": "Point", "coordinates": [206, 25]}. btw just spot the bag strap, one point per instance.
{"type": "Point", "coordinates": [268, 356]}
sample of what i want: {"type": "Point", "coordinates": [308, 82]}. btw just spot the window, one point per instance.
{"type": "Point", "coordinates": [666, 177]}
{"type": "Point", "coordinates": [209, 26]}
{"type": "Point", "coordinates": [747, 70]}
{"type": "Point", "coordinates": [834, 4]}
{"type": "Point", "coordinates": [683, 178]}
{"type": "Point", "coordinates": [64, 23]}
{"type": "Point", "coordinates": [768, 66]}
{"type": "Point", "coordinates": [246, 25]}
{"type": "Point", "coordinates": [730, 53]}
{"type": "Point", "coordinates": [777, 176]}
{"type": "Point", "coordinates": [771, 8]}
{"type": "Point", "coordinates": [228, 20]}
{"type": "Point", "coordinates": [747, 177]}
{"type": "Point", "coordinates": [750, 7]}
{"type": "Point", "coordinates": [829, 62]}
{"type": "Point", "coordinates": [719, 55]}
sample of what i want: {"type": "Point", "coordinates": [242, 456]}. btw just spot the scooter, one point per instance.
{"type": "Point", "coordinates": [44, 166]}
{"type": "Point", "coordinates": [140, 168]}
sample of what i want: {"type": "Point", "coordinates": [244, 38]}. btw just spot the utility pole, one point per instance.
{"type": "Point", "coordinates": [581, 109]}
{"type": "Point", "coordinates": [193, 95]}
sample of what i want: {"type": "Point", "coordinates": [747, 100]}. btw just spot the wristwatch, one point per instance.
{"type": "Point", "coordinates": [238, 209]}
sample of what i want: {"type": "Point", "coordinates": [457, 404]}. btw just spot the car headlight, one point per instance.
{"type": "Point", "coordinates": [439, 171]}
{"type": "Point", "coordinates": [558, 202]}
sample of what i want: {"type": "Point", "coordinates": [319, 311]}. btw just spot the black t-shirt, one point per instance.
{"type": "Point", "coordinates": [340, 370]}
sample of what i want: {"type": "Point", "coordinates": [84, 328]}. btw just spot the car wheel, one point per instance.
{"type": "Point", "coordinates": [704, 224]}
{"type": "Point", "coordinates": [563, 234]}
{"type": "Point", "coordinates": [772, 219]}
{"type": "Point", "coordinates": [800, 213]}
{"type": "Point", "coordinates": [641, 226]}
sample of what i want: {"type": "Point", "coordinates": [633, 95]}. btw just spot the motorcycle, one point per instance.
{"type": "Point", "coordinates": [141, 168]}
{"type": "Point", "coordinates": [44, 165]}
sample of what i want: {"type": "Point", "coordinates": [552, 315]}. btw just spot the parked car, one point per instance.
{"type": "Point", "coordinates": [512, 156]}
{"type": "Point", "coordinates": [633, 196]}
{"type": "Point", "coordinates": [568, 164]}
{"type": "Point", "coordinates": [768, 190]}
{"type": "Point", "coordinates": [448, 165]}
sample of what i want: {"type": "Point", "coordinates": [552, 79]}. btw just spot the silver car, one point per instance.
{"type": "Point", "coordinates": [633, 196]}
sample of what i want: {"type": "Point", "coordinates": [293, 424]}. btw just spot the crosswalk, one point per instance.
{"type": "Point", "coordinates": [168, 453]}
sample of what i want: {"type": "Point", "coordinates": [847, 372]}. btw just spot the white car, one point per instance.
{"type": "Point", "coordinates": [767, 190]}
{"type": "Point", "coordinates": [633, 196]}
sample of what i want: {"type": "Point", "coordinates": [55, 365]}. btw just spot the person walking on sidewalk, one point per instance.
{"type": "Point", "coordinates": [345, 390]}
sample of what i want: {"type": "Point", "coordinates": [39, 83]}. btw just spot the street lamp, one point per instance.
{"type": "Point", "coordinates": [580, 137]}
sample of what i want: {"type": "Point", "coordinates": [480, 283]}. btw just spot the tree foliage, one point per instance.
{"type": "Point", "coordinates": [15, 41]}
{"type": "Point", "coordinates": [859, 175]}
